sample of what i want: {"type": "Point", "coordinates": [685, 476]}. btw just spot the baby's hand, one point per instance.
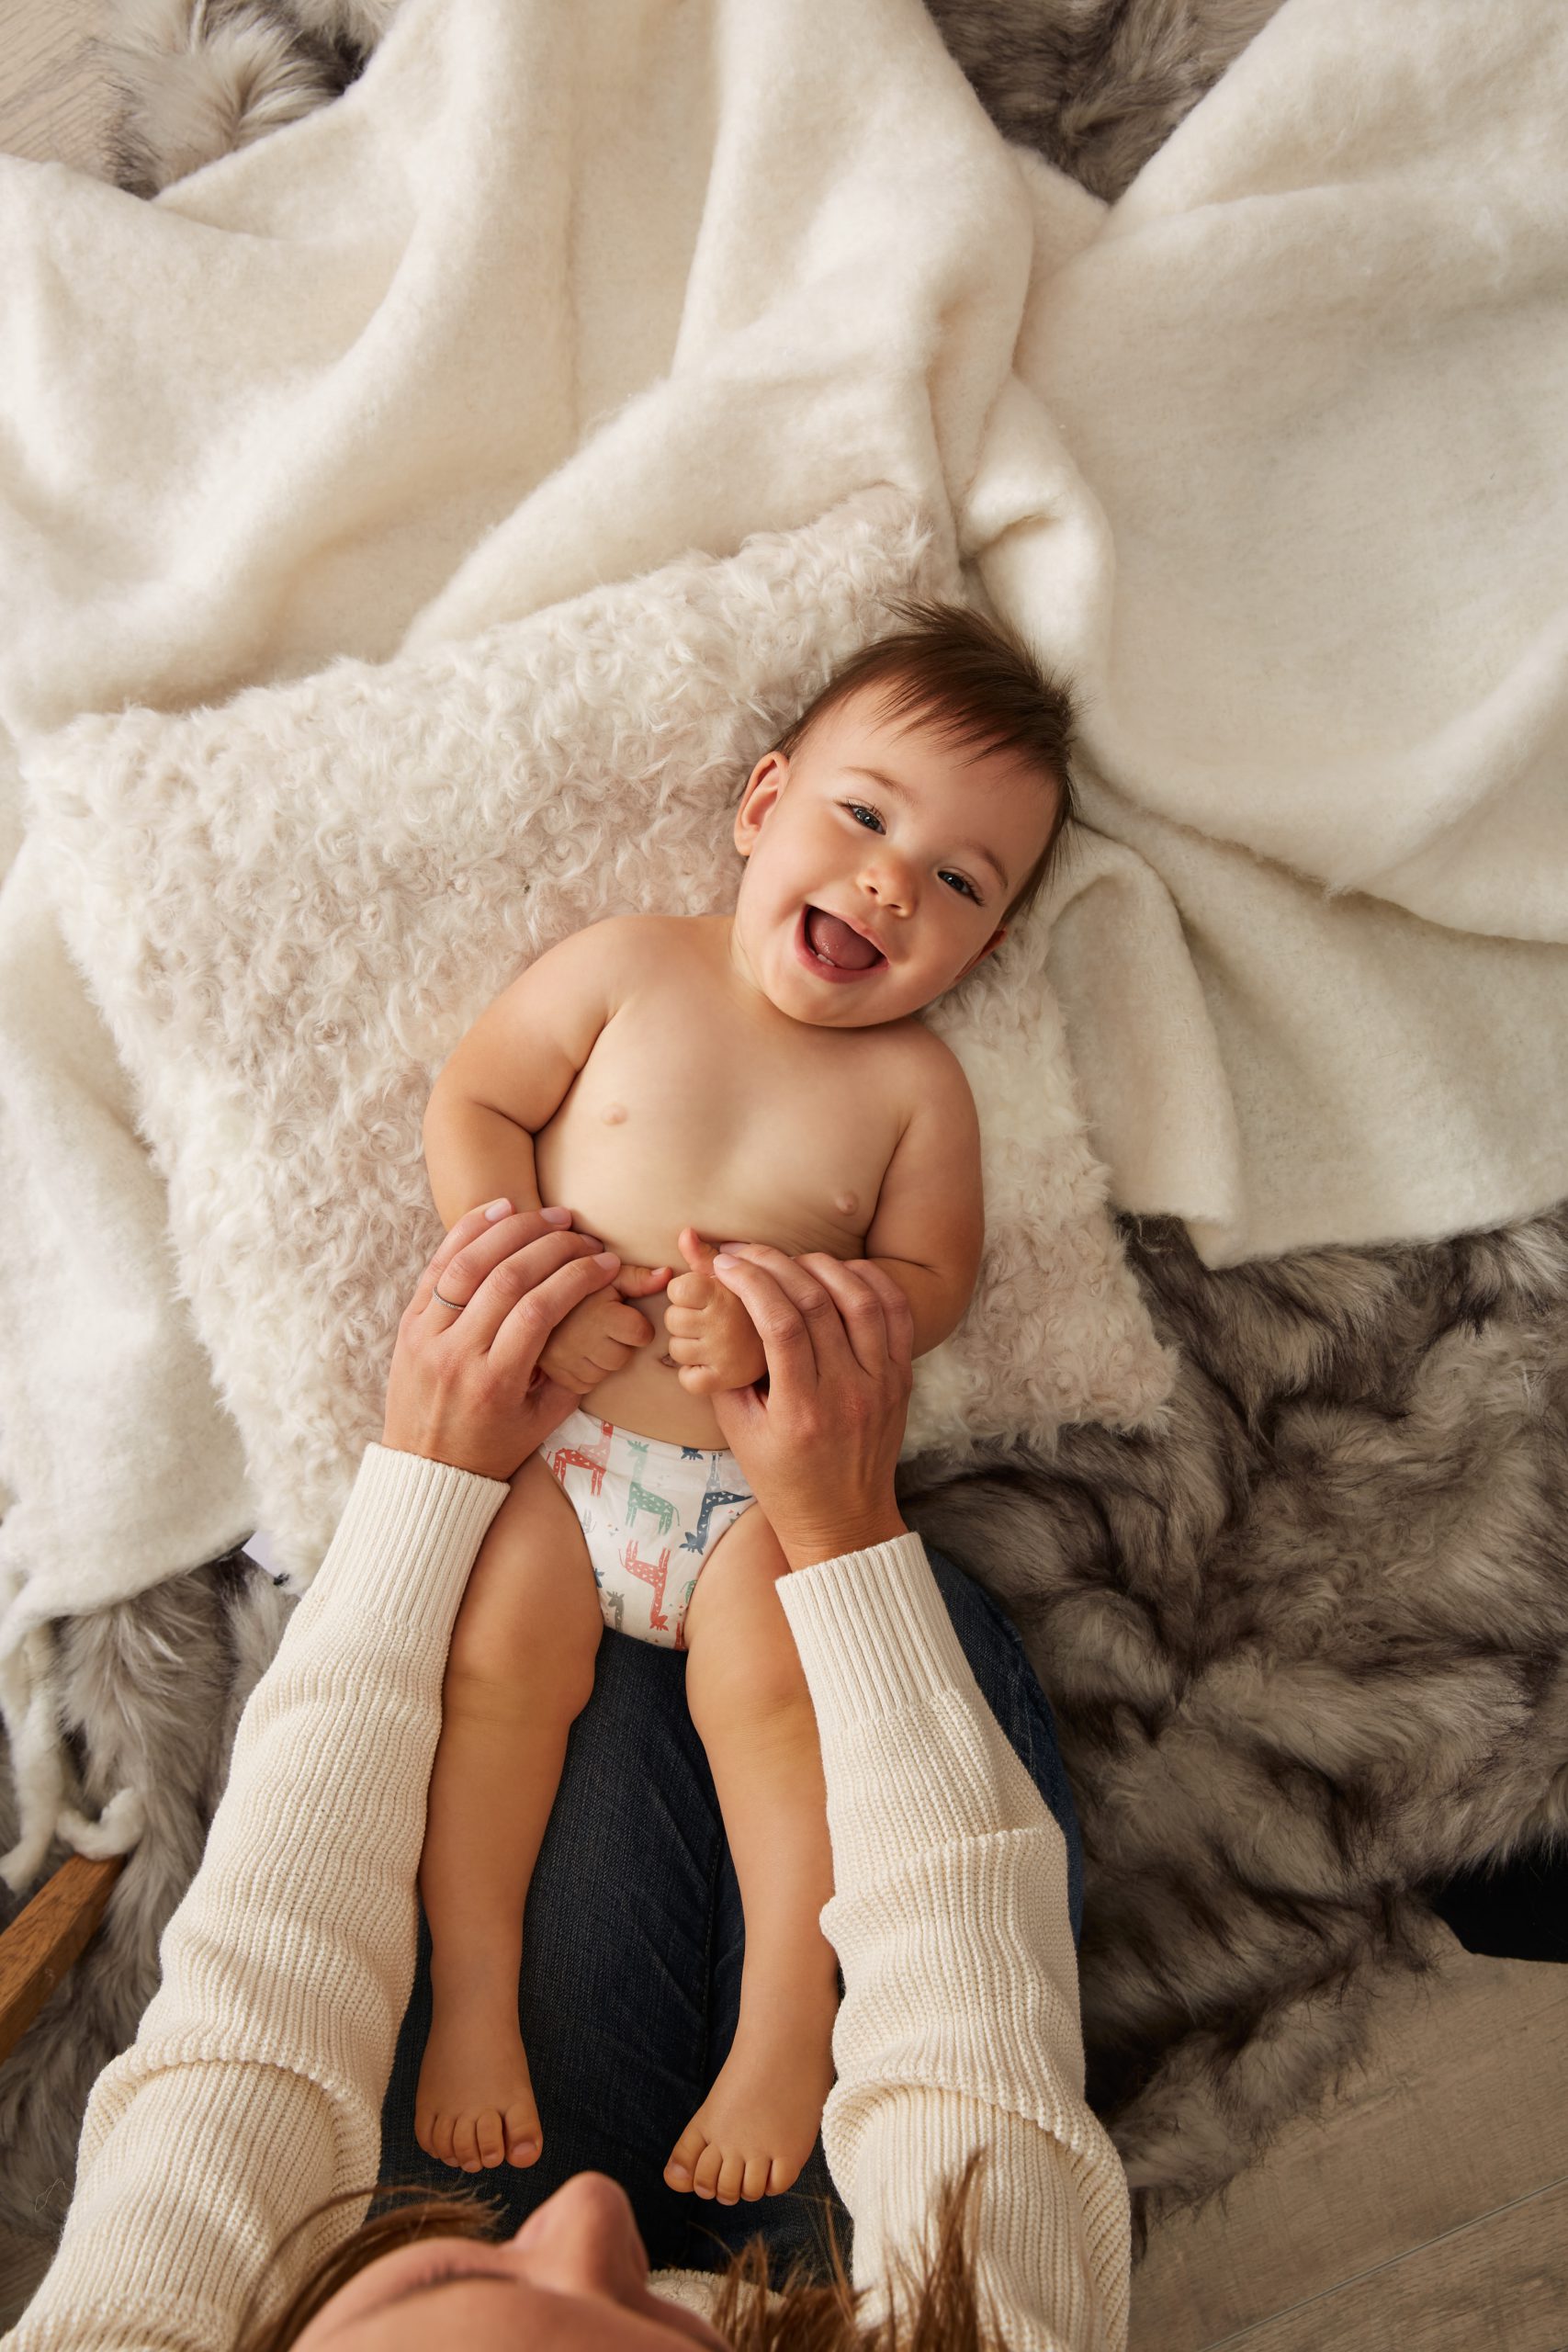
{"type": "Point", "coordinates": [597, 1338]}
{"type": "Point", "coordinates": [713, 1341]}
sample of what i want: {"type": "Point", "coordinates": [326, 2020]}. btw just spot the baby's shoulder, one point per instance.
{"type": "Point", "coordinates": [650, 935]}
{"type": "Point", "coordinates": [924, 1069]}
{"type": "Point", "coordinates": [631, 948]}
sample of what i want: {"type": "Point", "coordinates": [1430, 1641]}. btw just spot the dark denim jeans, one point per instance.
{"type": "Point", "coordinates": [632, 1947]}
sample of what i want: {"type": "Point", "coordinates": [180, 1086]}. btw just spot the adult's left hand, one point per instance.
{"type": "Point", "coordinates": [464, 1385]}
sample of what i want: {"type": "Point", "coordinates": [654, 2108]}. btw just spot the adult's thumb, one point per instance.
{"type": "Point", "coordinates": [738, 1412]}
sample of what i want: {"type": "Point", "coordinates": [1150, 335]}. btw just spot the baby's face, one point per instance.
{"type": "Point", "coordinates": [917, 842]}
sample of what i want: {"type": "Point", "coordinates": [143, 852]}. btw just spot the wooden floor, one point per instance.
{"type": "Point", "coordinates": [1427, 2211]}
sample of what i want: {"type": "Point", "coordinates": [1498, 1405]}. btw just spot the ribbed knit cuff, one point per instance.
{"type": "Point", "coordinates": [873, 1633]}
{"type": "Point", "coordinates": [412, 1529]}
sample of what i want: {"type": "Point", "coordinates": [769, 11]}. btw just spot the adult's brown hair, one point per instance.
{"type": "Point", "coordinates": [937, 2306]}
{"type": "Point", "coordinates": [977, 683]}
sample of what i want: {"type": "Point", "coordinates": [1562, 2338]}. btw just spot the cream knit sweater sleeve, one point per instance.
{"type": "Point", "coordinates": [959, 2027]}
{"type": "Point", "coordinates": [253, 2087]}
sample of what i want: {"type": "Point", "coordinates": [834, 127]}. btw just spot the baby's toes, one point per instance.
{"type": "Point", "coordinates": [684, 2157]}
{"type": "Point", "coordinates": [523, 2141]}
{"type": "Point", "coordinates": [490, 2136]}
{"type": "Point", "coordinates": [731, 2174]}
{"type": "Point", "coordinates": [465, 2143]}
{"type": "Point", "coordinates": [755, 2183]}
{"type": "Point", "coordinates": [705, 2172]}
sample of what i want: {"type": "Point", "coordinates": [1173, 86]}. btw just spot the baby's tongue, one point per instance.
{"type": "Point", "coordinates": [835, 940]}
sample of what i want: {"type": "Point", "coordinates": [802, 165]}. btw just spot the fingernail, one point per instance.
{"type": "Point", "coordinates": [724, 1259]}
{"type": "Point", "coordinates": [556, 1216]}
{"type": "Point", "coordinates": [732, 1245]}
{"type": "Point", "coordinates": [497, 1209]}
{"type": "Point", "coordinates": [608, 1257]}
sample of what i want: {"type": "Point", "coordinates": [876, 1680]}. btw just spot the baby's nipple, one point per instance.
{"type": "Point", "coordinates": [846, 1203]}
{"type": "Point", "coordinates": [613, 1113]}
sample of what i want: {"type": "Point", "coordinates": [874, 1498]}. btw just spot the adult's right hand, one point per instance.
{"type": "Point", "coordinates": [819, 1450]}
{"type": "Point", "coordinates": [466, 1386]}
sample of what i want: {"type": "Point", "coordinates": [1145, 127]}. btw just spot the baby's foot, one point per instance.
{"type": "Point", "coordinates": [760, 2121]}
{"type": "Point", "coordinates": [474, 2105]}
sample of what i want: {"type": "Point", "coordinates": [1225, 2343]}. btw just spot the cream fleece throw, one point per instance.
{"type": "Point", "coordinates": [1267, 455]}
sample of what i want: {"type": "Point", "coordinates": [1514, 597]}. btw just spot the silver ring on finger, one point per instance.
{"type": "Point", "coordinates": [455, 1304]}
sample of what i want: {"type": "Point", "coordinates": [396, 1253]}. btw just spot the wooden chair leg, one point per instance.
{"type": "Point", "coordinates": [44, 1940]}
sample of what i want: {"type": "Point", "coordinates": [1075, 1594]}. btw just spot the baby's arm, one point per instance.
{"type": "Point", "coordinates": [507, 1078]}
{"type": "Point", "coordinates": [510, 1073]}
{"type": "Point", "coordinates": [930, 1225]}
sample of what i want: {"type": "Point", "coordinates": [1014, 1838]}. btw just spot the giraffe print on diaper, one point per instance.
{"type": "Point", "coordinates": [651, 1513]}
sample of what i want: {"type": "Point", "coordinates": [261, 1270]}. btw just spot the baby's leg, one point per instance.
{"type": "Point", "coordinates": [519, 1671]}
{"type": "Point", "coordinates": [749, 1702]}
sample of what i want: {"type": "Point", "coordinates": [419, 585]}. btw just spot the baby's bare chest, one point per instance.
{"type": "Point", "coordinates": [686, 1116]}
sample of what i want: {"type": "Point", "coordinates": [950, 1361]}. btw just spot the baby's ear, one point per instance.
{"type": "Point", "coordinates": [762, 787]}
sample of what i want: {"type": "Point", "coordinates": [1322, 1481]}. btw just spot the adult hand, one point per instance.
{"type": "Point", "coordinates": [819, 1450]}
{"type": "Point", "coordinates": [464, 1385]}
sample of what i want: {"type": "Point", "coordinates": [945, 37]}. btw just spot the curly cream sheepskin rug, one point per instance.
{"type": "Point", "coordinates": [290, 908]}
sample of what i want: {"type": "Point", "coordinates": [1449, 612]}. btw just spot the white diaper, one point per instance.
{"type": "Point", "coordinates": [651, 1513]}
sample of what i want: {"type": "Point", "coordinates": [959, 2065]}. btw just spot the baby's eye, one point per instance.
{"type": "Point", "coordinates": [962, 885]}
{"type": "Point", "coordinates": [858, 810]}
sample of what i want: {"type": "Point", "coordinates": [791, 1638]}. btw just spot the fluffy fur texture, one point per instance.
{"type": "Point", "coordinates": [1306, 1647]}
{"type": "Point", "coordinates": [148, 1693]}
{"type": "Point", "coordinates": [195, 79]}
{"type": "Point", "coordinates": [1095, 85]}
{"type": "Point", "coordinates": [290, 908]}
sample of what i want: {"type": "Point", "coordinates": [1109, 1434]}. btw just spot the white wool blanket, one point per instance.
{"type": "Point", "coordinates": [1265, 456]}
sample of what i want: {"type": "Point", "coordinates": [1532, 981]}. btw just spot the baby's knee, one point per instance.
{"type": "Point", "coordinates": [760, 1686]}
{"type": "Point", "coordinates": [547, 1666]}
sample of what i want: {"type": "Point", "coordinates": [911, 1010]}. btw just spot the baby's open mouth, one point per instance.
{"type": "Point", "coordinates": [838, 945]}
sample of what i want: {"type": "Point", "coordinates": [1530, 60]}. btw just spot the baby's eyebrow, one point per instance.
{"type": "Point", "coordinates": [902, 792]}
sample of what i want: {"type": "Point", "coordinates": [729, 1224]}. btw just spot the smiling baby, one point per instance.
{"type": "Point", "coordinates": [677, 1079]}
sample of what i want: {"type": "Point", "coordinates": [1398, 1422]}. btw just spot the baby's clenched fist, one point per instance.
{"type": "Point", "coordinates": [713, 1341]}
{"type": "Point", "coordinates": [602, 1334]}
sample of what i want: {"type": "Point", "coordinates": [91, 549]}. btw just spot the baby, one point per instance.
{"type": "Point", "coordinates": [677, 1079]}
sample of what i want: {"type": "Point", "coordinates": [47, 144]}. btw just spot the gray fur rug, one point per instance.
{"type": "Point", "coordinates": [1308, 1650]}
{"type": "Point", "coordinates": [1096, 85]}
{"type": "Point", "coordinates": [152, 1690]}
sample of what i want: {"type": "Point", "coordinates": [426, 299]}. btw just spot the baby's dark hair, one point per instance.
{"type": "Point", "coordinates": [978, 681]}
